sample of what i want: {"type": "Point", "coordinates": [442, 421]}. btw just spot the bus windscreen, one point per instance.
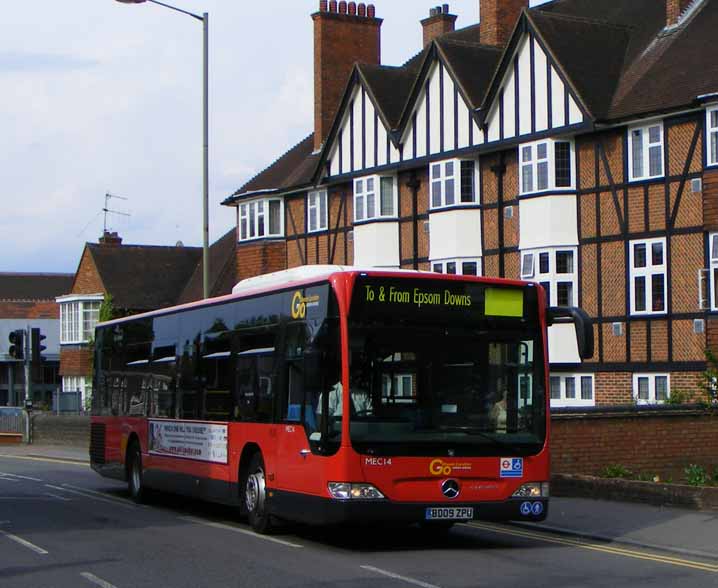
{"type": "Point", "coordinates": [454, 367]}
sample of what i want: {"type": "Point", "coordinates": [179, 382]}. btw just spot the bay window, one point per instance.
{"type": "Point", "coordinates": [453, 183]}
{"type": "Point", "coordinates": [555, 269]}
{"type": "Point", "coordinates": [375, 197]}
{"type": "Point", "coordinates": [547, 165]}
{"type": "Point", "coordinates": [261, 218]}
{"type": "Point", "coordinates": [78, 317]}
{"type": "Point", "coordinates": [459, 267]}
{"type": "Point", "coordinates": [572, 390]}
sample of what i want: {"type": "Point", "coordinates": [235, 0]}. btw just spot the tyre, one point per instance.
{"type": "Point", "coordinates": [255, 496]}
{"type": "Point", "coordinates": [135, 484]}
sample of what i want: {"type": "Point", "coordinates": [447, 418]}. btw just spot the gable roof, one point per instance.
{"type": "Point", "coordinates": [34, 287]}
{"type": "Point", "coordinates": [616, 55]}
{"type": "Point", "coordinates": [144, 277]}
{"type": "Point", "coordinates": [292, 170]}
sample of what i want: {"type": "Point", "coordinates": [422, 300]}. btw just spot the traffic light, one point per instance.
{"type": "Point", "coordinates": [17, 344]}
{"type": "Point", "coordinates": [37, 347]}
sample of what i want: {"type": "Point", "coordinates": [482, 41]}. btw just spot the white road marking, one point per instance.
{"type": "Point", "coordinates": [7, 478]}
{"type": "Point", "coordinates": [97, 581]}
{"type": "Point", "coordinates": [398, 577]}
{"type": "Point", "coordinates": [93, 496]}
{"type": "Point", "coordinates": [58, 497]}
{"type": "Point", "coordinates": [24, 543]}
{"type": "Point", "coordinates": [20, 477]}
{"type": "Point", "coordinates": [240, 530]}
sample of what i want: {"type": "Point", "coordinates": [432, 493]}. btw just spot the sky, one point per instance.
{"type": "Point", "coordinates": [100, 97]}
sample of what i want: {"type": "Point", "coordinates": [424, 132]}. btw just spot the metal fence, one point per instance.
{"type": "Point", "coordinates": [68, 402]}
{"type": "Point", "coordinates": [13, 420]}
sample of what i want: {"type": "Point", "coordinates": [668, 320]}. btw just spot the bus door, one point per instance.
{"type": "Point", "coordinates": [310, 405]}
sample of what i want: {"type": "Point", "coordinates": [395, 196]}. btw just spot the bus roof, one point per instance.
{"type": "Point", "coordinates": [285, 279]}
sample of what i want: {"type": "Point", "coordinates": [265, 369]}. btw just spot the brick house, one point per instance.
{"type": "Point", "coordinates": [29, 300]}
{"type": "Point", "coordinates": [135, 278]}
{"type": "Point", "coordinates": [574, 143]}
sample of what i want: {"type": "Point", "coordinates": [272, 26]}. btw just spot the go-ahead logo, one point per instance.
{"type": "Point", "coordinates": [439, 467]}
{"type": "Point", "coordinates": [300, 304]}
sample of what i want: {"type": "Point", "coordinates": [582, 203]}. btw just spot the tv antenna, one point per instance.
{"type": "Point", "coordinates": [106, 210]}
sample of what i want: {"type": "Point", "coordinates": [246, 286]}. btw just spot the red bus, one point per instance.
{"type": "Point", "coordinates": [243, 399]}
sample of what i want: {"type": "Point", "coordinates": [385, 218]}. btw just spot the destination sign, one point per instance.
{"type": "Point", "coordinates": [426, 299]}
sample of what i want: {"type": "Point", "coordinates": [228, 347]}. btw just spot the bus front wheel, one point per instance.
{"type": "Point", "coordinates": [255, 496]}
{"type": "Point", "coordinates": [134, 474]}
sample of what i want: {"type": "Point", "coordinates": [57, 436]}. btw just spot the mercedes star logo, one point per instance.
{"type": "Point", "coordinates": [450, 489]}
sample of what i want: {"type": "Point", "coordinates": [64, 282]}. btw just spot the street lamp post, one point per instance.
{"type": "Point", "coordinates": [205, 127]}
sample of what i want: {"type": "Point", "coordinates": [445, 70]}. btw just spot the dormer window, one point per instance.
{"type": "Point", "coordinates": [453, 183]}
{"type": "Point", "coordinates": [547, 165]}
{"type": "Point", "coordinates": [375, 197]}
{"type": "Point", "coordinates": [259, 219]}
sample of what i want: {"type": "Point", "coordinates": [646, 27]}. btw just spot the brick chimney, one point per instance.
{"type": "Point", "coordinates": [344, 34]}
{"type": "Point", "coordinates": [438, 23]}
{"type": "Point", "coordinates": [674, 9]}
{"type": "Point", "coordinates": [110, 239]}
{"type": "Point", "coordinates": [498, 19]}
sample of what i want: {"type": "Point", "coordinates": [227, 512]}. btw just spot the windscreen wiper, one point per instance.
{"type": "Point", "coordinates": [483, 433]}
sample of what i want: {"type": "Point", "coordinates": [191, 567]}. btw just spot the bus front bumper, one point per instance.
{"type": "Point", "coordinates": [325, 511]}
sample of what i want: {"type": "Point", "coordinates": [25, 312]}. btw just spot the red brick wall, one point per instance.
{"type": "Point", "coordinates": [435, 26]}
{"type": "Point", "coordinates": [87, 278]}
{"type": "Point", "coordinates": [710, 200]}
{"type": "Point", "coordinates": [30, 310]}
{"type": "Point", "coordinates": [498, 18]}
{"type": "Point", "coordinates": [74, 362]}
{"type": "Point", "coordinates": [643, 442]}
{"type": "Point", "coordinates": [261, 257]}
{"type": "Point", "coordinates": [340, 40]}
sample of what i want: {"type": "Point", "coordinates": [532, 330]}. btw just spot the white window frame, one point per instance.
{"type": "Point", "coordinates": [712, 136]}
{"type": "Point", "coordinates": [82, 384]}
{"type": "Point", "coordinates": [531, 270]}
{"type": "Point", "coordinates": [713, 261]}
{"type": "Point", "coordinates": [647, 273]}
{"type": "Point", "coordinates": [439, 266]}
{"type": "Point", "coordinates": [528, 159]}
{"type": "Point", "coordinates": [439, 179]}
{"type": "Point", "coordinates": [395, 379]}
{"type": "Point", "coordinates": [646, 154]}
{"type": "Point", "coordinates": [251, 212]}
{"type": "Point", "coordinates": [317, 211]}
{"type": "Point", "coordinates": [361, 190]}
{"type": "Point", "coordinates": [577, 400]}
{"type": "Point", "coordinates": [73, 309]}
{"type": "Point", "coordinates": [651, 388]}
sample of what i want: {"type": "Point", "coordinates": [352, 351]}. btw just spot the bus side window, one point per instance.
{"type": "Point", "coordinates": [255, 379]}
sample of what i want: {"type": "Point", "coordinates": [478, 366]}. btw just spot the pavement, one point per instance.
{"type": "Point", "coordinates": [677, 530]}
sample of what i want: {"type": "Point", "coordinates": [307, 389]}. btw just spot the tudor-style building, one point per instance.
{"type": "Point", "coordinates": [574, 143]}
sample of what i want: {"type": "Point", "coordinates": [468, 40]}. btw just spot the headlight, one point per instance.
{"type": "Point", "coordinates": [349, 491]}
{"type": "Point", "coordinates": [533, 490]}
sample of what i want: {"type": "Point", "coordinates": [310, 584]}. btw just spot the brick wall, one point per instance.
{"type": "Point", "coordinates": [30, 310]}
{"type": "Point", "coordinates": [49, 429]}
{"type": "Point", "coordinates": [498, 18]}
{"type": "Point", "coordinates": [261, 257]}
{"type": "Point", "coordinates": [74, 362]}
{"type": "Point", "coordinates": [648, 442]}
{"type": "Point", "coordinates": [87, 278]}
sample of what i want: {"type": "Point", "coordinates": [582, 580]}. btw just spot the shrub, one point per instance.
{"type": "Point", "coordinates": [697, 475]}
{"type": "Point", "coordinates": [616, 471]}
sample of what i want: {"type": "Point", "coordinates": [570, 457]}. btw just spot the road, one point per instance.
{"type": "Point", "coordinates": [61, 526]}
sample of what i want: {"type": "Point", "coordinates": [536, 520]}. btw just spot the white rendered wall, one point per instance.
{"type": "Point", "coordinates": [377, 245]}
{"type": "Point", "coordinates": [455, 233]}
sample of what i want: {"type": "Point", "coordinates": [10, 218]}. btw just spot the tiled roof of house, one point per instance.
{"type": "Point", "coordinates": [222, 270]}
{"type": "Point", "coordinates": [35, 287]}
{"type": "Point", "coordinates": [144, 277]}
{"type": "Point", "coordinates": [618, 55]}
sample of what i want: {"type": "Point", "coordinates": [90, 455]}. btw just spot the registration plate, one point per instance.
{"type": "Point", "coordinates": [451, 513]}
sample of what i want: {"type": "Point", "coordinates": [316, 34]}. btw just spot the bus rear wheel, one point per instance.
{"type": "Point", "coordinates": [255, 496]}
{"type": "Point", "coordinates": [135, 484]}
